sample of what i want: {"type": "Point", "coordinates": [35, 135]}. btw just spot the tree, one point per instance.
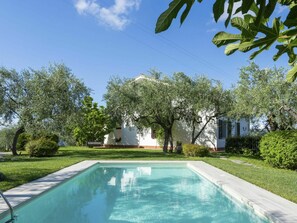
{"type": "Point", "coordinates": [204, 100]}
{"type": "Point", "coordinates": [41, 100]}
{"type": "Point", "coordinates": [94, 124]}
{"type": "Point", "coordinates": [145, 102]}
{"type": "Point", "coordinates": [265, 94]}
{"type": "Point", "coordinates": [258, 30]}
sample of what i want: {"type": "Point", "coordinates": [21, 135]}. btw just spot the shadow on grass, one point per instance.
{"type": "Point", "coordinates": [119, 154]}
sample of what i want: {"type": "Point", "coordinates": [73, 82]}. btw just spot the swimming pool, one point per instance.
{"type": "Point", "coordinates": [126, 193]}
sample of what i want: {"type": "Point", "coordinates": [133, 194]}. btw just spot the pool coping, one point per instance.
{"type": "Point", "coordinates": [263, 202]}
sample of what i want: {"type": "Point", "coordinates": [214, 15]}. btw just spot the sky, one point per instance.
{"type": "Point", "coordinates": [102, 39]}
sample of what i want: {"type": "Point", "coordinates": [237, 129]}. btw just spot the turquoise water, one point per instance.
{"type": "Point", "coordinates": [135, 193]}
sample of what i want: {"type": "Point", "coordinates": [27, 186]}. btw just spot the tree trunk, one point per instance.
{"type": "Point", "coordinates": [171, 142]}
{"type": "Point", "coordinates": [273, 126]}
{"type": "Point", "coordinates": [166, 140]}
{"type": "Point", "coordinates": [15, 140]}
{"type": "Point", "coordinates": [195, 137]}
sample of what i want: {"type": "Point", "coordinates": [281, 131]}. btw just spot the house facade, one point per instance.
{"type": "Point", "coordinates": [214, 134]}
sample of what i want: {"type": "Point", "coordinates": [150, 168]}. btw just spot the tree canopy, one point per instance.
{"type": "Point", "coordinates": [265, 94]}
{"type": "Point", "coordinates": [203, 100]}
{"type": "Point", "coordinates": [257, 27]}
{"type": "Point", "coordinates": [41, 100]}
{"type": "Point", "coordinates": [158, 101]}
{"type": "Point", "coordinates": [94, 123]}
{"type": "Point", "coordinates": [147, 101]}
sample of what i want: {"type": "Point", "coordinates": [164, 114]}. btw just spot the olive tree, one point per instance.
{"type": "Point", "coordinates": [41, 100]}
{"type": "Point", "coordinates": [149, 100]}
{"type": "Point", "coordinates": [265, 94]}
{"type": "Point", "coordinates": [203, 100]}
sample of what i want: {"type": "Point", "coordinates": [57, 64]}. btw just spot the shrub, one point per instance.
{"type": "Point", "coordinates": [42, 147]}
{"type": "Point", "coordinates": [279, 149]}
{"type": "Point", "coordinates": [23, 139]}
{"type": "Point", "coordinates": [243, 143]}
{"type": "Point", "coordinates": [50, 136]}
{"type": "Point", "coordinates": [195, 150]}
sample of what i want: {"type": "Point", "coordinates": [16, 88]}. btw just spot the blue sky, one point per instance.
{"type": "Point", "coordinates": [105, 38]}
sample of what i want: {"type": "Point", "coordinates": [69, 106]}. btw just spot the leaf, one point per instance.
{"type": "Point", "coordinates": [286, 48]}
{"type": "Point", "coordinates": [270, 8]}
{"type": "Point", "coordinates": [165, 19]}
{"type": "Point", "coordinates": [254, 54]}
{"type": "Point", "coordinates": [223, 38]}
{"type": "Point", "coordinates": [246, 5]}
{"type": "Point", "coordinates": [231, 48]}
{"type": "Point", "coordinates": [218, 9]}
{"type": "Point", "coordinates": [241, 25]}
{"type": "Point", "coordinates": [186, 12]}
{"type": "Point", "coordinates": [260, 13]}
{"type": "Point", "coordinates": [291, 18]}
{"type": "Point", "coordinates": [292, 74]}
{"type": "Point", "coordinates": [229, 11]}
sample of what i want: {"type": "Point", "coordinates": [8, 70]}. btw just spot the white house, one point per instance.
{"type": "Point", "coordinates": [214, 135]}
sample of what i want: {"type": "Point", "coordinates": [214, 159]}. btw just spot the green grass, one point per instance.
{"type": "Point", "coordinates": [22, 169]}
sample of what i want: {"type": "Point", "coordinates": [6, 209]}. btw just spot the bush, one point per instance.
{"type": "Point", "coordinates": [23, 139]}
{"type": "Point", "coordinates": [195, 150]}
{"type": "Point", "coordinates": [279, 149]}
{"type": "Point", "coordinates": [242, 144]}
{"type": "Point", "coordinates": [42, 147]}
{"type": "Point", "coordinates": [49, 136]}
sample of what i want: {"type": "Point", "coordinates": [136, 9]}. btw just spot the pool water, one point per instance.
{"type": "Point", "coordinates": [135, 193]}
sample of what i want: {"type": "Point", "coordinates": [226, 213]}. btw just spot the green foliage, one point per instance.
{"type": "Point", "coordinates": [257, 29]}
{"type": "Point", "coordinates": [265, 94]}
{"type": "Point", "coordinates": [194, 150]}
{"type": "Point", "coordinates": [95, 123]}
{"type": "Point", "coordinates": [23, 139]}
{"type": "Point", "coordinates": [149, 100]}
{"type": "Point", "coordinates": [42, 100]}
{"type": "Point", "coordinates": [41, 148]}
{"type": "Point", "coordinates": [243, 144]}
{"type": "Point", "coordinates": [47, 135]}
{"type": "Point", "coordinates": [279, 149]}
{"type": "Point", "coordinates": [174, 98]}
{"type": "Point", "coordinates": [204, 100]}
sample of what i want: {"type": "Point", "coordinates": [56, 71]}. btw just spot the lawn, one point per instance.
{"type": "Point", "coordinates": [22, 169]}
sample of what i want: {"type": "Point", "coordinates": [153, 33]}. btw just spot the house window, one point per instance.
{"type": "Point", "coordinates": [222, 129]}
{"type": "Point", "coordinates": [238, 129]}
{"type": "Point", "coordinates": [225, 129]}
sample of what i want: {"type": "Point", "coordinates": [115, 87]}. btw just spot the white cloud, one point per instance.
{"type": "Point", "coordinates": [115, 16]}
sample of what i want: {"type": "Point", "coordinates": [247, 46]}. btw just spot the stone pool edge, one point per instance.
{"type": "Point", "coordinates": [263, 202]}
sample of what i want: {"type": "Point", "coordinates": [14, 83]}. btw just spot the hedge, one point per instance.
{"type": "Point", "coordinates": [243, 143]}
{"type": "Point", "coordinates": [279, 149]}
